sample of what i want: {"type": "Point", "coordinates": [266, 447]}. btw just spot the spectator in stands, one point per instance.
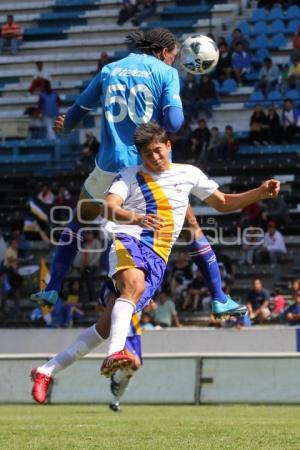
{"type": "Point", "coordinates": [292, 314]}
{"type": "Point", "coordinates": [250, 216]}
{"type": "Point", "coordinates": [296, 44]}
{"type": "Point", "coordinates": [103, 60]}
{"type": "Point", "coordinates": [215, 141]}
{"type": "Point", "coordinates": [87, 262]}
{"type": "Point", "coordinates": [11, 35]}
{"type": "Point", "coordinates": [188, 96]}
{"type": "Point", "coordinates": [224, 66]}
{"type": "Point", "coordinates": [258, 299]}
{"type": "Point", "coordinates": [283, 79]}
{"type": "Point", "coordinates": [199, 140]}
{"type": "Point", "coordinates": [250, 244]}
{"type": "Point", "coordinates": [40, 76]}
{"type": "Point", "coordinates": [45, 195]}
{"type": "Point", "coordinates": [273, 247]}
{"type": "Point", "coordinates": [290, 120]}
{"type": "Point", "coordinates": [294, 286]}
{"type": "Point", "coordinates": [49, 103]}
{"type": "Point", "coordinates": [258, 126]}
{"type": "Point", "coordinates": [275, 209]}
{"type": "Point", "coordinates": [206, 96]}
{"type": "Point", "coordinates": [10, 268]}
{"type": "Point", "coordinates": [165, 312]}
{"type": "Point", "coordinates": [180, 142]}
{"type": "Point", "coordinates": [268, 76]}
{"type": "Point", "coordinates": [229, 145]}
{"type": "Point", "coordinates": [196, 290]}
{"type": "Point", "coordinates": [72, 306]}
{"type": "Point", "coordinates": [278, 304]}
{"type": "Point", "coordinates": [144, 9]}
{"type": "Point", "coordinates": [239, 38]}
{"type": "Point", "coordinates": [273, 130]}
{"type": "Point", "coordinates": [146, 322]}
{"type": "Point", "coordinates": [241, 63]}
{"type": "Point", "coordinates": [294, 74]}
{"type": "Point", "coordinates": [91, 144]}
{"type": "Point", "coordinates": [63, 197]}
{"type": "Point", "coordinates": [127, 11]}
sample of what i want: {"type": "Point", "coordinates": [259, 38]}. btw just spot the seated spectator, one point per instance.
{"type": "Point", "coordinates": [206, 96]}
{"type": "Point", "coordinates": [63, 197]}
{"type": "Point", "coordinates": [214, 145]}
{"type": "Point", "coordinates": [273, 130]}
{"type": "Point", "coordinates": [188, 97]}
{"type": "Point", "coordinates": [275, 210]}
{"type": "Point", "coordinates": [229, 145]}
{"type": "Point", "coordinates": [292, 313]}
{"type": "Point", "coordinates": [180, 275]}
{"type": "Point", "coordinates": [11, 264]}
{"type": "Point", "coordinates": [258, 299]}
{"type": "Point", "coordinates": [296, 45]}
{"type": "Point", "coordinates": [165, 312]}
{"type": "Point", "coordinates": [180, 141]}
{"type": "Point", "coordinates": [290, 120]}
{"type": "Point", "coordinates": [146, 322]}
{"type": "Point", "coordinates": [223, 69]}
{"type": "Point", "coordinates": [103, 60]}
{"type": "Point", "coordinates": [49, 103]}
{"type": "Point", "coordinates": [45, 195]}
{"type": "Point", "coordinates": [127, 11]}
{"type": "Point", "coordinates": [294, 74]}
{"type": "Point", "coordinates": [87, 262]}
{"type": "Point", "coordinates": [283, 79]}
{"type": "Point", "coordinates": [273, 247]}
{"type": "Point", "coordinates": [199, 139]}
{"type": "Point", "coordinates": [11, 35]}
{"type": "Point", "coordinates": [278, 303]}
{"type": "Point", "coordinates": [241, 63]}
{"type": "Point", "coordinates": [268, 76]}
{"type": "Point", "coordinates": [144, 9]}
{"type": "Point", "coordinates": [239, 38]}
{"type": "Point", "coordinates": [40, 76]}
{"type": "Point", "coordinates": [250, 245]}
{"type": "Point", "coordinates": [258, 126]}
{"type": "Point", "coordinates": [91, 144]}
{"type": "Point", "coordinates": [294, 288]}
{"type": "Point", "coordinates": [250, 216]}
{"type": "Point", "coordinates": [196, 290]}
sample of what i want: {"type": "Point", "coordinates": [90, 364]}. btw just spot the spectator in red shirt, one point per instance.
{"type": "Point", "coordinates": [11, 35]}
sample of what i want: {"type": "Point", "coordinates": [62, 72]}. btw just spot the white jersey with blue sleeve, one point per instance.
{"type": "Point", "coordinates": [132, 91]}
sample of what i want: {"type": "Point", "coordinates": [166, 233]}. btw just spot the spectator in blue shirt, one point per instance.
{"type": "Point", "coordinates": [241, 63]}
{"type": "Point", "coordinates": [292, 314]}
{"type": "Point", "coordinates": [49, 103]}
{"type": "Point", "coordinates": [258, 299]}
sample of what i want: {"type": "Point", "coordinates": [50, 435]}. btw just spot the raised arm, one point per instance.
{"type": "Point", "coordinates": [231, 202]}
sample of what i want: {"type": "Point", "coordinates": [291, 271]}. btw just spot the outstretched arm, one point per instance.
{"type": "Point", "coordinates": [231, 202]}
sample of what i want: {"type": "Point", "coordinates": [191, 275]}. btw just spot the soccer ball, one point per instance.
{"type": "Point", "coordinates": [198, 54]}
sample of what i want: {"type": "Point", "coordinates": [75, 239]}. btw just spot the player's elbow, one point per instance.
{"type": "Point", "coordinates": [173, 119]}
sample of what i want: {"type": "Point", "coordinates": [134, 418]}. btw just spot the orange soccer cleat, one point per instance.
{"type": "Point", "coordinates": [117, 361]}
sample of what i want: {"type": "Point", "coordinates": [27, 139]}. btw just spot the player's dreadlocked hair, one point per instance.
{"type": "Point", "coordinates": [147, 133]}
{"type": "Point", "coordinates": [152, 41]}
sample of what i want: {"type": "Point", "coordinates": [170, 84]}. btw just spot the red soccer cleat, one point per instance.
{"type": "Point", "coordinates": [117, 361]}
{"type": "Point", "coordinates": [41, 385]}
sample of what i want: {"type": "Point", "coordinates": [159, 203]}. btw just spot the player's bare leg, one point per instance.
{"type": "Point", "coordinates": [204, 257]}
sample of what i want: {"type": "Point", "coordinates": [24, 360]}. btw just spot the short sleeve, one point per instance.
{"type": "Point", "coordinates": [171, 89]}
{"type": "Point", "coordinates": [90, 97]}
{"type": "Point", "coordinates": [119, 187]}
{"type": "Point", "coordinates": [203, 186]}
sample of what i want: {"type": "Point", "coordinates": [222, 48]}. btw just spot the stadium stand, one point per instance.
{"type": "Point", "coordinates": [68, 36]}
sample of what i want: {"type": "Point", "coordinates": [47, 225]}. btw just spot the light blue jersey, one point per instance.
{"type": "Point", "coordinates": [132, 91]}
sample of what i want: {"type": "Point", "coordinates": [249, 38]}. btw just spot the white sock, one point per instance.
{"type": "Point", "coordinates": [84, 343]}
{"type": "Point", "coordinates": [120, 322]}
{"type": "Point", "coordinates": [122, 377]}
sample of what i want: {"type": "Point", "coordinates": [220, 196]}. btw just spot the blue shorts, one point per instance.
{"type": "Point", "coordinates": [134, 345]}
{"type": "Point", "coordinates": [127, 252]}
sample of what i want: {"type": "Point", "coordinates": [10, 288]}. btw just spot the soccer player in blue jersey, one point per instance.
{"type": "Point", "coordinates": [140, 88]}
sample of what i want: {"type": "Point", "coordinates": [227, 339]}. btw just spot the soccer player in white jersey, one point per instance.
{"type": "Point", "coordinates": [140, 88]}
{"type": "Point", "coordinates": [148, 203]}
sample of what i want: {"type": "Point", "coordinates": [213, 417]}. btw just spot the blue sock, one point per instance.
{"type": "Point", "coordinates": [63, 256]}
{"type": "Point", "coordinates": [204, 257]}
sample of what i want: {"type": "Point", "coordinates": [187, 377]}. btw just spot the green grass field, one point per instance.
{"type": "Point", "coordinates": [149, 427]}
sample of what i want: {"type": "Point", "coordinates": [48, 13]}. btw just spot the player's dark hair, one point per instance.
{"type": "Point", "coordinates": [152, 41]}
{"type": "Point", "coordinates": [147, 133]}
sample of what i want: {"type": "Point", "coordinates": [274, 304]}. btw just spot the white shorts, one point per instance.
{"type": "Point", "coordinates": [97, 184]}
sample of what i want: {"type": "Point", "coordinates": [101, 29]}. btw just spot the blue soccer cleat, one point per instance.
{"type": "Point", "coordinates": [45, 298]}
{"type": "Point", "coordinates": [230, 308]}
